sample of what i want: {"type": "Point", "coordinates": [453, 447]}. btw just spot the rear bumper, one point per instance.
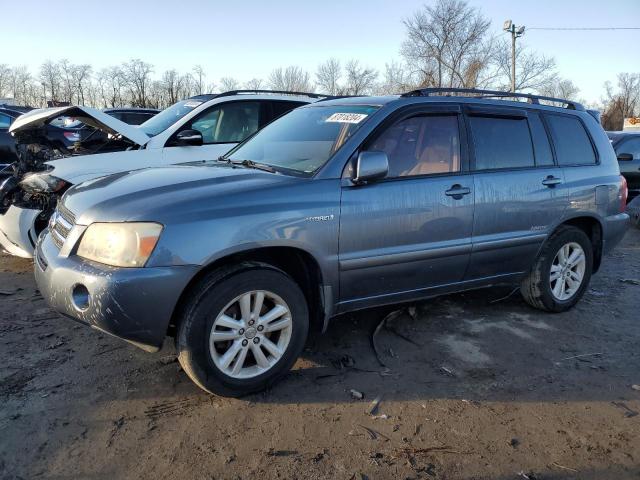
{"type": "Point", "coordinates": [135, 304]}
{"type": "Point", "coordinates": [614, 228]}
{"type": "Point", "coordinates": [17, 231]}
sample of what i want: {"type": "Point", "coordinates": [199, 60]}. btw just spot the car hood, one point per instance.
{"type": "Point", "coordinates": [87, 115]}
{"type": "Point", "coordinates": [166, 193]}
{"type": "Point", "coordinates": [81, 168]}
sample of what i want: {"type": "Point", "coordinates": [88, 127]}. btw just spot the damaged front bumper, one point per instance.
{"type": "Point", "coordinates": [135, 304]}
{"type": "Point", "coordinates": [18, 231]}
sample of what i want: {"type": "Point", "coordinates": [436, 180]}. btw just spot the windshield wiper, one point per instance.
{"type": "Point", "coordinates": [256, 165]}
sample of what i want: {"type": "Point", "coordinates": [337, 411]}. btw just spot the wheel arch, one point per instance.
{"type": "Point", "coordinates": [301, 265]}
{"type": "Point", "coordinates": [592, 227]}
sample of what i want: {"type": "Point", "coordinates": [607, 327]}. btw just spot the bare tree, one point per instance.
{"type": "Point", "coordinates": [328, 76]}
{"type": "Point", "coordinates": [622, 102]}
{"type": "Point", "coordinates": [254, 84]}
{"type": "Point", "coordinates": [229, 83]}
{"type": "Point", "coordinates": [397, 79]}
{"type": "Point", "coordinates": [199, 77]}
{"type": "Point", "coordinates": [533, 71]}
{"type": "Point", "coordinates": [112, 83]}
{"type": "Point", "coordinates": [560, 88]}
{"type": "Point", "coordinates": [448, 44]}
{"type": "Point", "coordinates": [359, 80]}
{"type": "Point", "coordinates": [50, 78]}
{"type": "Point", "coordinates": [291, 78]}
{"type": "Point", "coordinates": [138, 78]}
{"type": "Point", "coordinates": [5, 80]}
{"type": "Point", "coordinates": [81, 77]}
{"type": "Point", "coordinates": [171, 86]}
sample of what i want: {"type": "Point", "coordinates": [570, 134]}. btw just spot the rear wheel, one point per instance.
{"type": "Point", "coordinates": [242, 329]}
{"type": "Point", "coordinates": [561, 273]}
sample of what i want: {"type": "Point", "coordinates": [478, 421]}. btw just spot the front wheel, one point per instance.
{"type": "Point", "coordinates": [561, 273]}
{"type": "Point", "coordinates": [242, 329]}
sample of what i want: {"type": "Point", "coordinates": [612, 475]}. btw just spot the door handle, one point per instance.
{"type": "Point", "coordinates": [457, 191]}
{"type": "Point", "coordinates": [551, 181]}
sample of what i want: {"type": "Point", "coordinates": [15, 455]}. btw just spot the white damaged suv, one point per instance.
{"type": "Point", "coordinates": [200, 128]}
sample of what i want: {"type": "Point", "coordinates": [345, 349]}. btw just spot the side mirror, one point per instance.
{"type": "Point", "coordinates": [371, 166]}
{"type": "Point", "coordinates": [189, 138]}
{"type": "Point", "coordinates": [625, 157]}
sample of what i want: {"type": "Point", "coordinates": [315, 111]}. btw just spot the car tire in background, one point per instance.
{"type": "Point", "coordinates": [561, 273]}
{"type": "Point", "coordinates": [251, 313]}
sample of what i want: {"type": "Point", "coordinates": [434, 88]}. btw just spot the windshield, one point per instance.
{"type": "Point", "coordinates": [304, 139]}
{"type": "Point", "coordinates": [168, 117]}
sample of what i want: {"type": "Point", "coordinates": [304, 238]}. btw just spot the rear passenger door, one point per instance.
{"type": "Point", "coordinates": [520, 191]}
{"type": "Point", "coordinates": [412, 230]}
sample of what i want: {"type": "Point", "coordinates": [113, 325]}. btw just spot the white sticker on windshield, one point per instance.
{"type": "Point", "coordinates": [347, 117]}
{"type": "Point", "coordinates": [192, 104]}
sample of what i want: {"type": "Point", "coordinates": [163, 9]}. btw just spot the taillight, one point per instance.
{"type": "Point", "coordinates": [624, 193]}
{"type": "Point", "coordinates": [72, 136]}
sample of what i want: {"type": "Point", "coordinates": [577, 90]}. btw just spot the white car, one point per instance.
{"type": "Point", "coordinates": [200, 128]}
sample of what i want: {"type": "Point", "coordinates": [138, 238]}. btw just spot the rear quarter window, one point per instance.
{"type": "Point", "coordinates": [572, 143]}
{"type": "Point", "coordinates": [501, 142]}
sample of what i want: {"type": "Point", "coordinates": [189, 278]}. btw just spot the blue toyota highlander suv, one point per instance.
{"type": "Point", "coordinates": [340, 205]}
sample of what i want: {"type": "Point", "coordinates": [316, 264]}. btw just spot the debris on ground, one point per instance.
{"type": "Point", "coordinates": [581, 356]}
{"type": "Point", "coordinates": [506, 297]}
{"type": "Point", "coordinates": [384, 323]}
{"type": "Point", "coordinates": [562, 467]}
{"type": "Point", "coordinates": [629, 413]}
{"type": "Point", "coordinates": [7, 292]}
{"type": "Point", "coordinates": [596, 293]}
{"type": "Point", "coordinates": [515, 443]}
{"type": "Point", "coordinates": [280, 453]}
{"type": "Point", "coordinates": [168, 360]}
{"type": "Point", "coordinates": [635, 387]}
{"type": "Point", "coordinates": [373, 434]}
{"type": "Point", "coordinates": [447, 371]}
{"type": "Point", "coordinates": [630, 281]}
{"type": "Point", "coordinates": [373, 407]}
{"type": "Point", "coordinates": [356, 395]}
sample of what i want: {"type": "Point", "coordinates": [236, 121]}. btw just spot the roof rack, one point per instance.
{"type": "Point", "coordinates": [534, 99]}
{"type": "Point", "coordinates": [277, 92]}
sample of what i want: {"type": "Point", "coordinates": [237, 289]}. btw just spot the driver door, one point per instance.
{"type": "Point", "coordinates": [411, 231]}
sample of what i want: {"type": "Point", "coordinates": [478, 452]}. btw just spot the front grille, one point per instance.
{"type": "Point", "coordinates": [60, 225]}
{"type": "Point", "coordinates": [41, 262]}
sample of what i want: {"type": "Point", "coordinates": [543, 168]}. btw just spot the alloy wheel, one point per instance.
{"type": "Point", "coordinates": [251, 334]}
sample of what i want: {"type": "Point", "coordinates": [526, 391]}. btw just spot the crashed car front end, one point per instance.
{"type": "Point", "coordinates": [25, 207]}
{"type": "Point", "coordinates": [30, 194]}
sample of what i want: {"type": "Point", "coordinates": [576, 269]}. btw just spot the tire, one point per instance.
{"type": "Point", "coordinates": [211, 302]}
{"type": "Point", "coordinates": [536, 287]}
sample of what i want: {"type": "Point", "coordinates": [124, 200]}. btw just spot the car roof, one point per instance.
{"type": "Point", "coordinates": [617, 136]}
{"type": "Point", "coordinates": [14, 110]}
{"type": "Point", "coordinates": [259, 95]}
{"type": "Point", "coordinates": [131, 109]}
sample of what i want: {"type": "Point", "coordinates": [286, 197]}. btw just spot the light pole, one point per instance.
{"type": "Point", "coordinates": [516, 32]}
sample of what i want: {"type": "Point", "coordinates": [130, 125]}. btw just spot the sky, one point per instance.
{"type": "Point", "coordinates": [248, 39]}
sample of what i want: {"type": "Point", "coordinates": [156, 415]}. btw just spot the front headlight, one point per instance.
{"type": "Point", "coordinates": [41, 182]}
{"type": "Point", "coordinates": [120, 244]}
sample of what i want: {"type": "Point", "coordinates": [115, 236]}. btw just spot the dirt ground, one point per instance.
{"type": "Point", "coordinates": [473, 388]}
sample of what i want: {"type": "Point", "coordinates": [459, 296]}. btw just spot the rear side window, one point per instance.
{"type": "Point", "coordinates": [280, 108]}
{"type": "Point", "coordinates": [5, 121]}
{"type": "Point", "coordinates": [541, 146]}
{"type": "Point", "coordinates": [573, 146]}
{"type": "Point", "coordinates": [135, 118]}
{"type": "Point", "coordinates": [631, 146]}
{"type": "Point", "coordinates": [501, 142]}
